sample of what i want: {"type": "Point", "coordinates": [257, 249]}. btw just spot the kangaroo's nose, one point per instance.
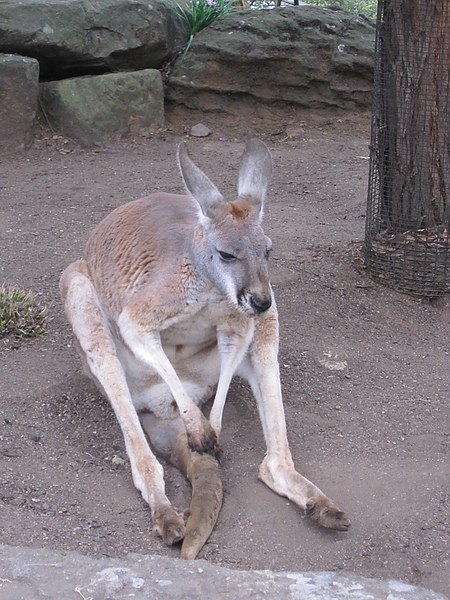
{"type": "Point", "coordinates": [260, 305]}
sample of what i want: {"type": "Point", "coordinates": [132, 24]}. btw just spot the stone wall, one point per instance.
{"type": "Point", "coordinates": [97, 62]}
{"type": "Point", "coordinates": [90, 37]}
{"type": "Point", "coordinates": [304, 56]}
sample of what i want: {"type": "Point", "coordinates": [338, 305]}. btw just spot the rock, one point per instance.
{"type": "Point", "coordinates": [78, 37]}
{"type": "Point", "coordinates": [19, 88]}
{"type": "Point", "coordinates": [96, 110]}
{"type": "Point", "coordinates": [200, 130]}
{"type": "Point", "coordinates": [44, 574]}
{"type": "Point", "coordinates": [305, 56]}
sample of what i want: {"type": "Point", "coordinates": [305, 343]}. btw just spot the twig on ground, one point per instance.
{"type": "Point", "coordinates": [78, 591]}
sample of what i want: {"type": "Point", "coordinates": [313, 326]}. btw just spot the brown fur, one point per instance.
{"type": "Point", "coordinates": [172, 299]}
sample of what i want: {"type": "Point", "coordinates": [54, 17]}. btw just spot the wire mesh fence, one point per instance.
{"type": "Point", "coordinates": [407, 242]}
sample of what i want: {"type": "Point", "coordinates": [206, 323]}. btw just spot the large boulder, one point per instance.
{"type": "Point", "coordinates": [305, 56]}
{"type": "Point", "coordinates": [97, 110]}
{"type": "Point", "coordinates": [78, 37]}
{"type": "Point", "coordinates": [19, 85]}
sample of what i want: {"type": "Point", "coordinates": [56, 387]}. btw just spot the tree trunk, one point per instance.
{"type": "Point", "coordinates": [412, 119]}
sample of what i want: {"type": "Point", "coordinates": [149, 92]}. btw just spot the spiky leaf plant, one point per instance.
{"type": "Point", "coordinates": [198, 14]}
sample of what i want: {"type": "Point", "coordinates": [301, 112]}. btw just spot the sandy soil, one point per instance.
{"type": "Point", "coordinates": [373, 435]}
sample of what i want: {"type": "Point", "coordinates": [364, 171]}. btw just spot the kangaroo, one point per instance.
{"type": "Point", "coordinates": [171, 300]}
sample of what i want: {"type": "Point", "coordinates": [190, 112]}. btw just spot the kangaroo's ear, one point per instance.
{"type": "Point", "coordinates": [198, 185]}
{"type": "Point", "coordinates": [255, 172]}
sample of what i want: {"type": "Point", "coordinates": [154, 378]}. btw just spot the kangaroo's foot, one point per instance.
{"type": "Point", "coordinates": [325, 512]}
{"type": "Point", "coordinates": [169, 524]}
{"type": "Point", "coordinates": [281, 477]}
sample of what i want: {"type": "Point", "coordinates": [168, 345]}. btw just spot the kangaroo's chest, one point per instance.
{"type": "Point", "coordinates": [196, 329]}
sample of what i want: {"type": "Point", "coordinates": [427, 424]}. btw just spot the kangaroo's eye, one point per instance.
{"type": "Point", "coordinates": [226, 256]}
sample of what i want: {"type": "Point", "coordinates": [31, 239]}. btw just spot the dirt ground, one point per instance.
{"type": "Point", "coordinates": [365, 369]}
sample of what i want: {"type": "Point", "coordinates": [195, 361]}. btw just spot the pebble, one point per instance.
{"type": "Point", "coordinates": [200, 130]}
{"type": "Point", "coordinates": [295, 131]}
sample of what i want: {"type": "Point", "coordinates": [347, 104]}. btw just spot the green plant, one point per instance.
{"type": "Point", "coordinates": [198, 14]}
{"type": "Point", "coordinates": [20, 314]}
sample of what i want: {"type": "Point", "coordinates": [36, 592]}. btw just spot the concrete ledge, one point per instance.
{"type": "Point", "coordinates": [41, 574]}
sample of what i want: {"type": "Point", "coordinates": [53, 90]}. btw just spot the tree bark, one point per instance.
{"type": "Point", "coordinates": [413, 115]}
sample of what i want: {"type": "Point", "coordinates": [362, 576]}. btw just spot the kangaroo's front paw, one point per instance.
{"type": "Point", "coordinates": [326, 513]}
{"type": "Point", "coordinates": [169, 524]}
{"type": "Point", "coordinates": [204, 440]}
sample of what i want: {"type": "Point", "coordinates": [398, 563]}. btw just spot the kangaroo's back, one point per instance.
{"type": "Point", "coordinates": [137, 242]}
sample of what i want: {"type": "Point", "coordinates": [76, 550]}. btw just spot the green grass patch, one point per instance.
{"type": "Point", "coordinates": [21, 315]}
{"type": "Point", "coordinates": [368, 8]}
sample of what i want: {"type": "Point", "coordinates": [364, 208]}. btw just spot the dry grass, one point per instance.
{"type": "Point", "coordinates": [21, 315]}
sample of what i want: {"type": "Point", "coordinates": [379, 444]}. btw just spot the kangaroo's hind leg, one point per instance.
{"type": "Point", "coordinates": [169, 439]}
{"type": "Point", "coordinates": [98, 352]}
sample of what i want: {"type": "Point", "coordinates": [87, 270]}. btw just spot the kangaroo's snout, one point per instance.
{"type": "Point", "coordinates": [260, 304]}
{"type": "Point", "coordinates": [254, 305]}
